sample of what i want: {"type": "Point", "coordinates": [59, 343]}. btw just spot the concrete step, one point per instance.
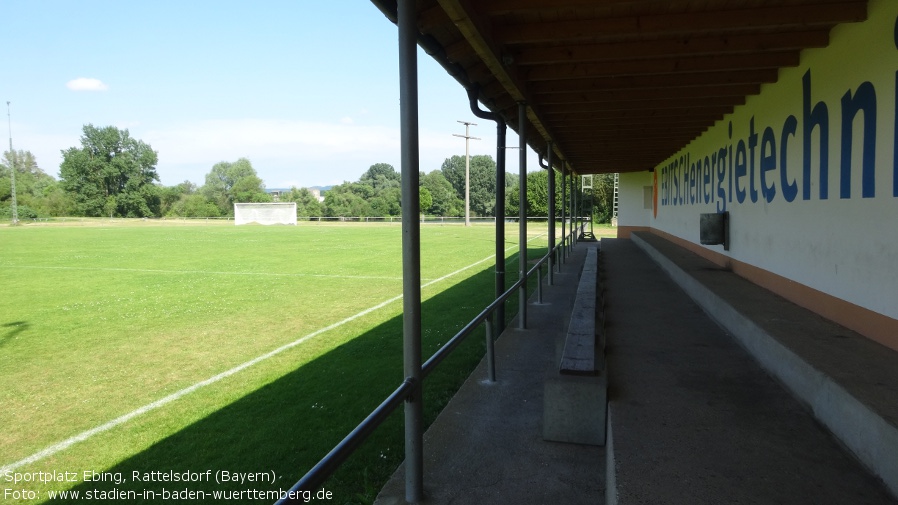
{"type": "Point", "coordinates": [693, 417]}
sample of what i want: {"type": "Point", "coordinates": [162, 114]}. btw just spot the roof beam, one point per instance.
{"type": "Point", "coordinates": [684, 23]}
{"type": "Point", "coordinates": [478, 32]}
{"type": "Point", "coordinates": [589, 96]}
{"type": "Point", "coordinates": [501, 7]}
{"type": "Point", "coordinates": [649, 105]}
{"type": "Point", "coordinates": [602, 83]}
{"type": "Point", "coordinates": [675, 47]}
{"type": "Point", "coordinates": [706, 115]}
{"type": "Point", "coordinates": [663, 66]}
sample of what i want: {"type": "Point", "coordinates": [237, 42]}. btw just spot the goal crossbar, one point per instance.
{"type": "Point", "coordinates": [265, 213]}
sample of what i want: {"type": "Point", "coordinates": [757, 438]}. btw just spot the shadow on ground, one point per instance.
{"type": "Point", "coordinates": [286, 426]}
{"type": "Point", "coordinates": [11, 330]}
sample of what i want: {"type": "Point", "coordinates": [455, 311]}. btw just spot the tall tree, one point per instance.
{"type": "Point", "coordinates": [425, 200]}
{"type": "Point", "coordinates": [377, 193]}
{"type": "Point", "coordinates": [604, 194]}
{"type": "Point", "coordinates": [350, 199]}
{"type": "Point", "coordinates": [482, 182]}
{"type": "Point", "coordinates": [307, 205]}
{"type": "Point", "coordinates": [444, 200]}
{"type": "Point", "coordinates": [537, 195]}
{"type": "Point", "coordinates": [228, 183]}
{"type": "Point", "coordinates": [111, 173]}
{"type": "Point", "coordinates": [381, 176]}
{"type": "Point", "coordinates": [33, 186]}
{"type": "Point", "coordinates": [194, 205]}
{"type": "Point", "coordinates": [171, 195]}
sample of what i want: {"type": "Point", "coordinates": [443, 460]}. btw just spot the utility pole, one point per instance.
{"type": "Point", "coordinates": [467, 138]}
{"type": "Point", "coordinates": [12, 169]}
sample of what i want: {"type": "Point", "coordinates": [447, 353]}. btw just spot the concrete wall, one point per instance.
{"type": "Point", "coordinates": [809, 174]}
{"type": "Point", "coordinates": [631, 212]}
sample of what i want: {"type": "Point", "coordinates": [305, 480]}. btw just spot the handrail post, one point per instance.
{"type": "Point", "coordinates": [539, 283]}
{"type": "Point", "coordinates": [411, 248]}
{"type": "Point", "coordinates": [490, 351]}
{"type": "Point", "coordinates": [522, 215]}
{"type": "Point", "coordinates": [550, 275]}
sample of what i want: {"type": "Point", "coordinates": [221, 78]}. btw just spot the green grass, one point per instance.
{"type": "Point", "coordinates": [99, 320]}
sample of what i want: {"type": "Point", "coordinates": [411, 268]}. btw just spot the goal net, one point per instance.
{"type": "Point", "coordinates": [265, 213]}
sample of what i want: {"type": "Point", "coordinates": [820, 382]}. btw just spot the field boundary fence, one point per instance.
{"type": "Point", "coordinates": [426, 220]}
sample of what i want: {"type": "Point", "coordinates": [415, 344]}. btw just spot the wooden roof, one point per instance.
{"type": "Point", "coordinates": [620, 85]}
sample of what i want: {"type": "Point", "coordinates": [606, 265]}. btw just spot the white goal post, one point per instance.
{"type": "Point", "coordinates": [265, 213]}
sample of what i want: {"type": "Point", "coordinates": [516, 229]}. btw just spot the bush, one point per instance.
{"type": "Point", "coordinates": [23, 212]}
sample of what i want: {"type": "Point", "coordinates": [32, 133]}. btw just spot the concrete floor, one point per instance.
{"type": "Point", "coordinates": [486, 447]}
{"type": "Point", "coordinates": [694, 418]}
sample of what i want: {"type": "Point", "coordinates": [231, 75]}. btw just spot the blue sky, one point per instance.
{"type": "Point", "coordinates": [307, 90]}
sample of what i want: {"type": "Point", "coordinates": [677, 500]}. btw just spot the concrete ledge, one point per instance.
{"type": "Point", "coordinates": [574, 408]}
{"type": "Point", "coordinates": [610, 466]}
{"type": "Point", "coordinates": [849, 382]}
{"type": "Point", "coordinates": [579, 354]}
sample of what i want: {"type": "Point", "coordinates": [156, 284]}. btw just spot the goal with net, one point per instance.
{"type": "Point", "coordinates": [265, 213]}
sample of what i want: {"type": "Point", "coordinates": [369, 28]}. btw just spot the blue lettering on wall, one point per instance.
{"type": "Point", "coordinates": [790, 189]}
{"type": "Point", "coordinates": [818, 116]}
{"type": "Point", "coordinates": [752, 144]}
{"type": "Point", "coordinates": [718, 176]}
{"type": "Point", "coordinates": [864, 100]}
{"type": "Point", "coordinates": [741, 166]}
{"type": "Point", "coordinates": [706, 180]}
{"type": "Point", "coordinates": [895, 130]}
{"type": "Point", "coordinates": [768, 163]}
{"type": "Point", "coordinates": [720, 158]}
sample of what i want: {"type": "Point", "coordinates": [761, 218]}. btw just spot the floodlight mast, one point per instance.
{"type": "Point", "coordinates": [467, 138]}
{"type": "Point", "coordinates": [12, 169]}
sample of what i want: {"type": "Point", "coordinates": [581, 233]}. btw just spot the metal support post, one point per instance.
{"type": "Point", "coordinates": [522, 215]}
{"type": "Point", "coordinates": [573, 213]}
{"type": "Point", "coordinates": [501, 129]}
{"type": "Point", "coordinates": [411, 248]}
{"type": "Point", "coordinates": [564, 207]}
{"type": "Point", "coordinates": [550, 276]}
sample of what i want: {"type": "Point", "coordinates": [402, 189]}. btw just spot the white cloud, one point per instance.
{"type": "Point", "coordinates": [347, 120]}
{"type": "Point", "coordinates": [86, 84]}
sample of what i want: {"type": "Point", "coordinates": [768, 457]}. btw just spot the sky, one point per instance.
{"type": "Point", "coordinates": [307, 90]}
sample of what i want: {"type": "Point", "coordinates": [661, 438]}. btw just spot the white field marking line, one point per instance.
{"type": "Point", "coordinates": [81, 437]}
{"type": "Point", "coordinates": [160, 271]}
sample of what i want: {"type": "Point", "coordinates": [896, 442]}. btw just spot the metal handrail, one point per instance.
{"type": "Point", "coordinates": [318, 474]}
{"type": "Point", "coordinates": [315, 478]}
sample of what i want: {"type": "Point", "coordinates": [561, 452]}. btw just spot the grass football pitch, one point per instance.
{"type": "Point", "coordinates": [137, 349]}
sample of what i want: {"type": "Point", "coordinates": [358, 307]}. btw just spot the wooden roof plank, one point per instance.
{"type": "Point", "coordinates": [684, 23]}
{"type": "Point", "coordinates": [672, 47]}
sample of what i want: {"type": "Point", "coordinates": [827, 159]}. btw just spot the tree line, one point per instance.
{"type": "Point", "coordinates": [112, 174]}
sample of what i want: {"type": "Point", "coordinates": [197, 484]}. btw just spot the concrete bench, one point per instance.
{"type": "Point", "coordinates": [575, 395]}
{"type": "Point", "coordinates": [845, 380]}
